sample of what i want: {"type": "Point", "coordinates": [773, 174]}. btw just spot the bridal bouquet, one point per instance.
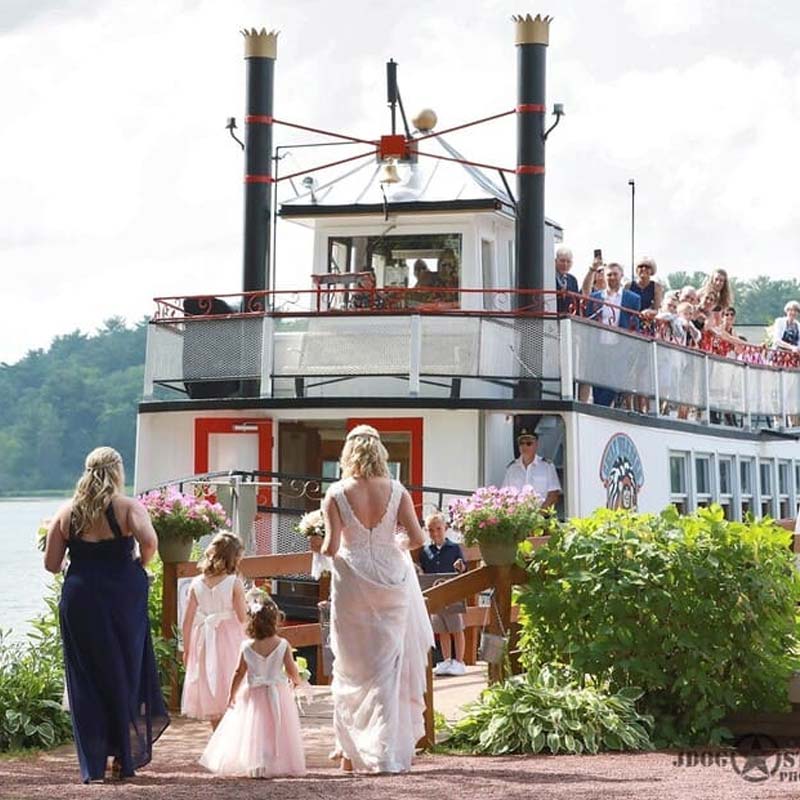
{"type": "Point", "coordinates": [313, 524]}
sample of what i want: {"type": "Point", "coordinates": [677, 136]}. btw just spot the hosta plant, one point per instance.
{"type": "Point", "coordinates": [550, 710]}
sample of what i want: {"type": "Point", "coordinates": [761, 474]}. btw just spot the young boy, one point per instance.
{"type": "Point", "coordinates": [442, 555]}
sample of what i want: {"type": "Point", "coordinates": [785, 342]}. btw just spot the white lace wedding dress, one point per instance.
{"type": "Point", "coordinates": [380, 636]}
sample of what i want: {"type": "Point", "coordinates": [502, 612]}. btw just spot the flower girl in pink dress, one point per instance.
{"type": "Point", "coordinates": [259, 736]}
{"type": "Point", "coordinates": [213, 629]}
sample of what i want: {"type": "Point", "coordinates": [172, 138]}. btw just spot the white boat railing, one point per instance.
{"type": "Point", "coordinates": [465, 353]}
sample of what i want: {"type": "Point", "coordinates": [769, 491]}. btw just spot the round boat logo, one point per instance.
{"type": "Point", "coordinates": [621, 472]}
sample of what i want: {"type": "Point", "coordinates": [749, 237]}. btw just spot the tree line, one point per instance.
{"type": "Point", "coordinates": [57, 404]}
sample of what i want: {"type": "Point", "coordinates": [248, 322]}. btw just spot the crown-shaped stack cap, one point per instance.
{"type": "Point", "coordinates": [260, 44]}
{"type": "Point", "coordinates": [532, 30]}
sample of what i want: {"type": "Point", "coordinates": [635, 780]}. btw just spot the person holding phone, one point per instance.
{"type": "Point", "coordinates": [595, 278]}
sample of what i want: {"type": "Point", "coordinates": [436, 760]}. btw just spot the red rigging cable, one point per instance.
{"type": "Point", "coordinates": [465, 125]}
{"type": "Point", "coordinates": [466, 162]}
{"type": "Point", "coordinates": [325, 166]}
{"type": "Point", "coordinates": [276, 121]}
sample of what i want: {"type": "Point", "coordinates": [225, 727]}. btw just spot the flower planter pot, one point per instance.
{"type": "Point", "coordinates": [498, 554]}
{"type": "Point", "coordinates": [174, 549]}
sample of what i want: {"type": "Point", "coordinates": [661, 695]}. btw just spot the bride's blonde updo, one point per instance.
{"type": "Point", "coordinates": [363, 454]}
{"type": "Point", "coordinates": [103, 477]}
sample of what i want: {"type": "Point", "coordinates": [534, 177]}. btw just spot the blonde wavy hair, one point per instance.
{"type": "Point", "coordinates": [363, 454]}
{"type": "Point", "coordinates": [103, 477]}
{"type": "Point", "coordinates": [222, 555]}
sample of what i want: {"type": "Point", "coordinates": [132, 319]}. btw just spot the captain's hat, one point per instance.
{"type": "Point", "coordinates": [526, 433]}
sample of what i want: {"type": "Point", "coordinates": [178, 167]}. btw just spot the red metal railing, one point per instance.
{"type": "Point", "coordinates": [329, 299]}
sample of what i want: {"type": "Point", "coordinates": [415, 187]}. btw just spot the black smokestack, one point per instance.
{"type": "Point", "coordinates": [260, 52]}
{"type": "Point", "coordinates": [532, 36]}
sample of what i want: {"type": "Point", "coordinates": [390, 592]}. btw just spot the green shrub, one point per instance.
{"type": "Point", "coordinates": [166, 649]}
{"type": "Point", "coordinates": [697, 611]}
{"type": "Point", "coordinates": [32, 684]}
{"type": "Point", "coordinates": [549, 710]}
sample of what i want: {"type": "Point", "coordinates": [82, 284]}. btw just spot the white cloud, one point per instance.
{"type": "Point", "coordinates": [119, 181]}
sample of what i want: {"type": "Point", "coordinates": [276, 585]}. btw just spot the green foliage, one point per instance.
{"type": "Point", "coordinates": [32, 685]}
{"type": "Point", "coordinates": [55, 406]}
{"type": "Point", "coordinates": [549, 709]}
{"type": "Point", "coordinates": [168, 659]}
{"type": "Point", "coordinates": [697, 611]}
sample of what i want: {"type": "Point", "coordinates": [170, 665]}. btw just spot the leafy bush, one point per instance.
{"type": "Point", "coordinates": [168, 660]}
{"type": "Point", "coordinates": [548, 709]}
{"type": "Point", "coordinates": [32, 685]}
{"type": "Point", "coordinates": [697, 611]}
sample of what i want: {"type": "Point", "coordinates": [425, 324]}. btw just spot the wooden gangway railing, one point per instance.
{"type": "Point", "coordinates": [465, 587]}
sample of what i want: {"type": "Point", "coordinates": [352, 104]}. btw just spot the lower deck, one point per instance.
{"type": "Point", "coordinates": [604, 457]}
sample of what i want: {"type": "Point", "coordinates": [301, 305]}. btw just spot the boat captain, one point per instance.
{"type": "Point", "coordinates": [532, 470]}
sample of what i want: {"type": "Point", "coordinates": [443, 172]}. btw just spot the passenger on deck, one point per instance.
{"type": "Point", "coordinates": [786, 330]}
{"type": "Point", "coordinates": [649, 290]}
{"type": "Point", "coordinates": [366, 296]}
{"type": "Point", "coordinates": [531, 470]}
{"type": "Point", "coordinates": [423, 275]}
{"type": "Point", "coordinates": [565, 282]}
{"type": "Point", "coordinates": [614, 309]}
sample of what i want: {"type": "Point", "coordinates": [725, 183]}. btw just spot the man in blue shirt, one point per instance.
{"type": "Point", "coordinates": [442, 555]}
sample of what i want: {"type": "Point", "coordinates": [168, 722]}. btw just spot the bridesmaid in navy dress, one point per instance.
{"type": "Point", "coordinates": [112, 682]}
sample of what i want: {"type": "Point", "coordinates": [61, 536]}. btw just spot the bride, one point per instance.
{"type": "Point", "coordinates": [380, 629]}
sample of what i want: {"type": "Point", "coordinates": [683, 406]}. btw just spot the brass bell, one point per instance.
{"type": "Point", "coordinates": [388, 173]}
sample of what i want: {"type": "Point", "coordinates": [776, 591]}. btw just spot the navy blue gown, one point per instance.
{"type": "Point", "coordinates": [112, 682]}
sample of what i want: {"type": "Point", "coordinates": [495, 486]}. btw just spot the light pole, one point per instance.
{"type": "Point", "coordinates": [632, 184]}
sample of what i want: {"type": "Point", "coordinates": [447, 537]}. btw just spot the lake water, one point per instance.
{"type": "Point", "coordinates": [24, 580]}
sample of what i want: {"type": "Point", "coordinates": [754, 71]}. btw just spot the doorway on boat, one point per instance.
{"type": "Point", "coordinates": [309, 450]}
{"type": "Point", "coordinates": [528, 449]}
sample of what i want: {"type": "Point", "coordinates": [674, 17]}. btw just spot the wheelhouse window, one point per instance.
{"type": "Point", "coordinates": [703, 480]}
{"type": "Point", "coordinates": [429, 262]}
{"type": "Point", "coordinates": [678, 487]}
{"type": "Point", "coordinates": [746, 485]}
{"type": "Point", "coordinates": [765, 488]}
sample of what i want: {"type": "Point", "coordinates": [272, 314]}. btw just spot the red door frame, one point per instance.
{"type": "Point", "coordinates": [410, 425]}
{"type": "Point", "coordinates": [205, 426]}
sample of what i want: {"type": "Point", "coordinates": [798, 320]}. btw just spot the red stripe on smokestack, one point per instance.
{"type": "Point", "coordinates": [263, 119]}
{"type": "Point", "coordinates": [259, 179]}
{"type": "Point", "coordinates": [530, 169]}
{"type": "Point", "coordinates": [525, 108]}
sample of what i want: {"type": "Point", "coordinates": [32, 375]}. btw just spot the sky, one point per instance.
{"type": "Point", "coordinates": [119, 183]}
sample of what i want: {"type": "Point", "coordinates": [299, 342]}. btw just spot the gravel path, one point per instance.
{"type": "Point", "coordinates": [176, 775]}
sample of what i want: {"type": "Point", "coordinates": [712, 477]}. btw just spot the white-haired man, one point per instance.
{"type": "Point", "coordinates": [565, 281]}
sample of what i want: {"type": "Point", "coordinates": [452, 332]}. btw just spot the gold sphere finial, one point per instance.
{"type": "Point", "coordinates": [260, 44]}
{"type": "Point", "coordinates": [532, 30]}
{"type": "Point", "coordinates": [425, 121]}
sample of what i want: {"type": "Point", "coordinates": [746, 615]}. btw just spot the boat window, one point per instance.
{"type": "Point", "coordinates": [726, 474]}
{"type": "Point", "coordinates": [487, 270]}
{"type": "Point", "coordinates": [702, 480]}
{"type": "Point", "coordinates": [765, 487]}
{"type": "Point", "coordinates": [416, 261]}
{"type": "Point", "coordinates": [784, 490]}
{"type": "Point", "coordinates": [746, 485]}
{"type": "Point", "coordinates": [678, 483]}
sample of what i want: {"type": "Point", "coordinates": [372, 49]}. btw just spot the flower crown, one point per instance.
{"type": "Point", "coordinates": [258, 599]}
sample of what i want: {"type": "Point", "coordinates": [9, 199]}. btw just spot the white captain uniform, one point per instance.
{"type": "Point", "coordinates": [540, 474]}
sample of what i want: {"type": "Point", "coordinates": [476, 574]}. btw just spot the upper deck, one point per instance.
{"type": "Point", "coordinates": [475, 348]}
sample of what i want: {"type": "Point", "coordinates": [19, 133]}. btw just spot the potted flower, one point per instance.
{"type": "Point", "coordinates": [497, 520]}
{"type": "Point", "coordinates": [181, 519]}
